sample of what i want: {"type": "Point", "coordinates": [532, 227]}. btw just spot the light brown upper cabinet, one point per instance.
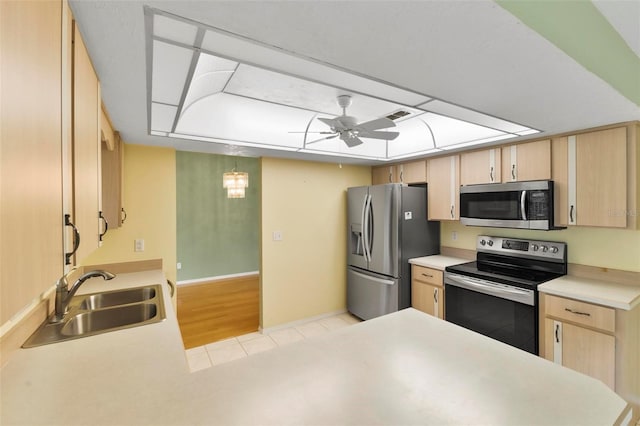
{"type": "Point", "coordinates": [527, 161]}
{"type": "Point", "coordinates": [412, 172]}
{"type": "Point", "coordinates": [444, 188]}
{"type": "Point", "coordinates": [591, 175]}
{"type": "Point", "coordinates": [111, 165]}
{"type": "Point", "coordinates": [30, 154]}
{"type": "Point", "coordinates": [481, 166]}
{"type": "Point", "coordinates": [384, 174]}
{"type": "Point", "coordinates": [86, 149]}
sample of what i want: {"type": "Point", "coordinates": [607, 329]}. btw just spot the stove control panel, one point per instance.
{"type": "Point", "coordinates": [549, 250]}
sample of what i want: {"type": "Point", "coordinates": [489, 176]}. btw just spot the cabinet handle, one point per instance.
{"type": "Point", "coordinates": [513, 171]}
{"type": "Point", "coordinates": [557, 337]}
{"type": "Point", "coordinates": [106, 225]}
{"type": "Point", "coordinates": [402, 176]}
{"type": "Point", "coordinates": [571, 214]}
{"type": "Point", "coordinates": [586, 314]}
{"type": "Point", "coordinates": [427, 275]}
{"type": "Point", "coordinates": [76, 239]}
{"type": "Point", "coordinates": [452, 206]}
{"type": "Point", "coordinates": [491, 174]}
{"type": "Point", "coordinates": [125, 215]}
{"type": "Point", "coordinates": [435, 295]}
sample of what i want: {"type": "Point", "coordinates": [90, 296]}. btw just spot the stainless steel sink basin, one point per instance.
{"type": "Point", "coordinates": [97, 313]}
{"type": "Point", "coordinates": [118, 297]}
{"type": "Point", "coordinates": [93, 322]}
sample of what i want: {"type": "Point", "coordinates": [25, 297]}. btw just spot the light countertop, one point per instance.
{"type": "Point", "coordinates": [619, 296]}
{"type": "Point", "coordinates": [437, 261]}
{"type": "Point", "coordinates": [402, 368]}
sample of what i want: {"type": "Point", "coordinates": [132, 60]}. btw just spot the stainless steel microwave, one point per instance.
{"type": "Point", "coordinates": [524, 205]}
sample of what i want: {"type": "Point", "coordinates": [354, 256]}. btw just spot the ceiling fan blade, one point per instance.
{"type": "Point", "coordinates": [350, 139]}
{"type": "Point", "coordinates": [379, 123]}
{"type": "Point", "coordinates": [328, 121]}
{"type": "Point", "coordinates": [378, 135]}
{"type": "Point", "coordinates": [322, 133]}
{"type": "Point", "coordinates": [323, 139]}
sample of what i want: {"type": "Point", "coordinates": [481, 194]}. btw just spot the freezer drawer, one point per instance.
{"type": "Point", "coordinates": [370, 296]}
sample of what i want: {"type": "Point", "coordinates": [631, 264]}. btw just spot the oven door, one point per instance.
{"type": "Point", "coordinates": [499, 311]}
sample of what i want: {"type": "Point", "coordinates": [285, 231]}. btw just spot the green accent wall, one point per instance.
{"type": "Point", "coordinates": [578, 28]}
{"type": "Point", "coordinates": [216, 235]}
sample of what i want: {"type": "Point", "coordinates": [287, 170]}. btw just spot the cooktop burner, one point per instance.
{"type": "Point", "coordinates": [525, 278]}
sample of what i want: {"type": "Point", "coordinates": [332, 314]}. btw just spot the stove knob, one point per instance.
{"type": "Point", "coordinates": [483, 242]}
{"type": "Point", "coordinates": [490, 243]}
{"type": "Point", "coordinates": [545, 249]}
{"type": "Point", "coordinates": [535, 247]}
{"type": "Point", "coordinates": [554, 249]}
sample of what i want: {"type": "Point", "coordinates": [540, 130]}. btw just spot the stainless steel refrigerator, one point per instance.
{"type": "Point", "coordinates": [387, 227]}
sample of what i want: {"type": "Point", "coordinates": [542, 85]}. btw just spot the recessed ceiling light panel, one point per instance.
{"type": "Point", "coordinates": [226, 88]}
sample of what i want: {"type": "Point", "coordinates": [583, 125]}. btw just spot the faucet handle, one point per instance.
{"type": "Point", "coordinates": [63, 280]}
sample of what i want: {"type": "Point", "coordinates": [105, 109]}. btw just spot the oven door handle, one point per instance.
{"type": "Point", "coordinates": [510, 293]}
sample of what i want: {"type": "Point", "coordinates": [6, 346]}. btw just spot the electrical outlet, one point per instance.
{"type": "Point", "coordinates": [277, 235]}
{"type": "Point", "coordinates": [454, 235]}
{"type": "Point", "coordinates": [138, 245]}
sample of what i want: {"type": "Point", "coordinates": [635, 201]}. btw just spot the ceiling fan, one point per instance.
{"type": "Point", "coordinates": [350, 131]}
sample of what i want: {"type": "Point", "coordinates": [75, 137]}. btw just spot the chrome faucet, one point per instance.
{"type": "Point", "coordinates": [64, 295]}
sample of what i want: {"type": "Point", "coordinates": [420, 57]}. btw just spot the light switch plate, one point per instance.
{"type": "Point", "coordinates": [138, 245]}
{"type": "Point", "coordinates": [277, 235]}
{"type": "Point", "coordinates": [408, 215]}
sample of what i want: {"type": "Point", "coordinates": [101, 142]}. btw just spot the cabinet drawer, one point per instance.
{"type": "Point", "coordinates": [594, 316]}
{"type": "Point", "coordinates": [427, 275]}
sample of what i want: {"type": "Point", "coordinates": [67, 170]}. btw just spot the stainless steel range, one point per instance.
{"type": "Point", "coordinates": [497, 295]}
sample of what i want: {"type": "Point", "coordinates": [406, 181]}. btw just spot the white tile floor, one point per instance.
{"type": "Point", "coordinates": [242, 346]}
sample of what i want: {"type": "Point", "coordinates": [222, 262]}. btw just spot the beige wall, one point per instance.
{"type": "Point", "coordinates": [150, 202]}
{"type": "Point", "coordinates": [602, 247]}
{"type": "Point", "coordinates": [304, 274]}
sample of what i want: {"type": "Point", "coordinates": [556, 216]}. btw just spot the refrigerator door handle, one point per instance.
{"type": "Point", "coordinates": [374, 279]}
{"type": "Point", "coordinates": [365, 243]}
{"type": "Point", "coordinates": [366, 231]}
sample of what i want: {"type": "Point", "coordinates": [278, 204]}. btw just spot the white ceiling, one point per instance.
{"type": "Point", "coordinates": [471, 53]}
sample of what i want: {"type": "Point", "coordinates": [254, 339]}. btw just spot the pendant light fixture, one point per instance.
{"type": "Point", "coordinates": [235, 182]}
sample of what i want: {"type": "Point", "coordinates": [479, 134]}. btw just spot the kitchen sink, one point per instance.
{"type": "Point", "coordinates": [115, 298]}
{"type": "Point", "coordinates": [98, 321]}
{"type": "Point", "coordinates": [97, 313]}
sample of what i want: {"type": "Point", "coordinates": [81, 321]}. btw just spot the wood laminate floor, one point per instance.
{"type": "Point", "coordinates": [218, 310]}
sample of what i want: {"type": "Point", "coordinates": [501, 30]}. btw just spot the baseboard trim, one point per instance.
{"type": "Point", "coordinates": [218, 278]}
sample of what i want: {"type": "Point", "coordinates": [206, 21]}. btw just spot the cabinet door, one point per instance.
{"type": "Point", "coordinates": [86, 149]}
{"type": "Point", "coordinates": [580, 349]}
{"type": "Point", "coordinates": [111, 165]}
{"type": "Point", "coordinates": [30, 152]}
{"type": "Point", "coordinates": [383, 174]}
{"type": "Point", "coordinates": [427, 298]}
{"type": "Point", "coordinates": [527, 161]}
{"type": "Point", "coordinates": [444, 188]}
{"type": "Point", "coordinates": [413, 172]}
{"type": "Point", "coordinates": [480, 166]}
{"type": "Point", "coordinates": [600, 178]}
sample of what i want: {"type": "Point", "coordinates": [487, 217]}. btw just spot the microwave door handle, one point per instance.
{"type": "Point", "coordinates": [523, 206]}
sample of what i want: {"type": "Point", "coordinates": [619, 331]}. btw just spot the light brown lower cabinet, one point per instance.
{"type": "Point", "coordinates": [427, 290]}
{"type": "Point", "coordinates": [599, 341]}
